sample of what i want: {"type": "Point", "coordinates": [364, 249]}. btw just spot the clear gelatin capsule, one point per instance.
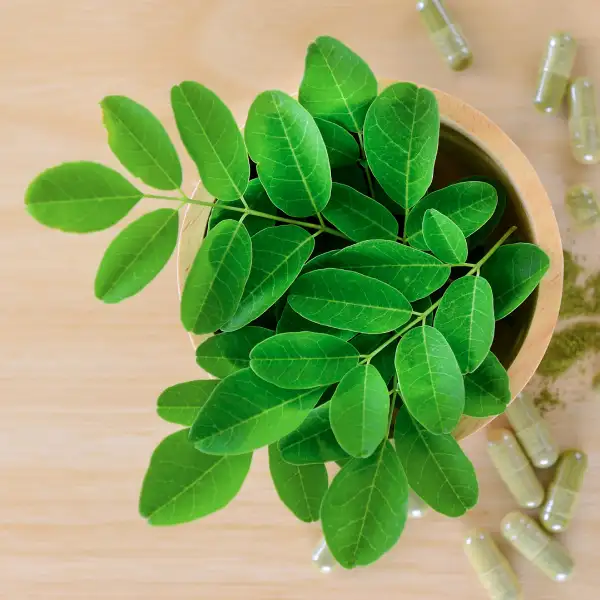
{"type": "Point", "coordinates": [563, 493]}
{"type": "Point", "coordinates": [582, 205]}
{"type": "Point", "coordinates": [532, 432]}
{"type": "Point", "coordinates": [322, 557]}
{"type": "Point", "coordinates": [416, 506]}
{"type": "Point", "coordinates": [514, 468]}
{"type": "Point", "coordinates": [491, 566]}
{"type": "Point", "coordinates": [445, 34]}
{"type": "Point", "coordinates": [555, 72]}
{"type": "Point", "coordinates": [584, 123]}
{"type": "Point", "coordinates": [545, 552]}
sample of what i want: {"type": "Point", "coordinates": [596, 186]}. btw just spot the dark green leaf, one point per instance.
{"type": "Point", "coordinates": [421, 306]}
{"type": "Point", "coordinates": [320, 262]}
{"type": "Point", "coordinates": [365, 509]}
{"type": "Point", "coordinates": [181, 403]}
{"type": "Point", "coordinates": [514, 271]}
{"type": "Point", "coordinates": [487, 390]}
{"type": "Point", "coordinates": [137, 255]}
{"type": "Point", "coordinates": [338, 85]}
{"type": "Point", "coordinates": [217, 277]}
{"type": "Point", "coordinates": [483, 233]}
{"type": "Point", "coordinates": [384, 361]}
{"type": "Point", "coordinates": [436, 467]}
{"type": "Point", "coordinates": [246, 412]}
{"type": "Point", "coordinates": [290, 155]}
{"type": "Point", "coordinates": [444, 238]}
{"type": "Point", "coordinates": [213, 140]}
{"type": "Point", "coordinates": [80, 197]}
{"type": "Point", "coordinates": [300, 487]}
{"type": "Point", "coordinates": [183, 484]}
{"type": "Point", "coordinates": [141, 143]}
{"type": "Point", "coordinates": [303, 360]}
{"type": "Point", "coordinates": [402, 131]}
{"type": "Point", "coordinates": [291, 321]}
{"type": "Point", "coordinates": [342, 148]}
{"type": "Point", "coordinates": [430, 380]}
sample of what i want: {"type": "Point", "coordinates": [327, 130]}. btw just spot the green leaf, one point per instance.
{"type": "Point", "coordinates": [225, 353]}
{"type": "Point", "coordinates": [80, 197]}
{"type": "Point", "coordinates": [359, 411]}
{"type": "Point", "coordinates": [484, 232]}
{"type": "Point", "coordinates": [137, 255]}
{"type": "Point", "coordinates": [181, 403]}
{"type": "Point", "coordinates": [213, 140]}
{"type": "Point", "coordinates": [444, 238]}
{"type": "Point", "coordinates": [183, 484]}
{"type": "Point", "coordinates": [465, 317]}
{"type": "Point", "coordinates": [414, 273]}
{"type": "Point", "coordinates": [217, 277]}
{"type": "Point", "coordinates": [342, 148]}
{"type": "Point", "coordinates": [313, 442]}
{"type": "Point", "coordinates": [383, 361]}
{"type": "Point", "coordinates": [278, 254]}
{"type": "Point", "coordinates": [141, 143]}
{"type": "Point", "coordinates": [469, 205]}
{"type": "Point", "coordinates": [338, 85]}
{"type": "Point", "coordinates": [430, 380]}
{"type": "Point", "coordinates": [514, 271]}
{"type": "Point", "coordinates": [290, 155]}
{"type": "Point", "coordinates": [320, 261]}
{"type": "Point", "coordinates": [421, 306]}
{"type": "Point", "coordinates": [246, 412]}
{"type": "Point", "coordinates": [436, 467]}
{"type": "Point", "coordinates": [303, 360]}
{"type": "Point", "coordinates": [365, 509]}
{"type": "Point", "coordinates": [344, 299]}
{"type": "Point", "coordinates": [487, 390]}
{"type": "Point", "coordinates": [300, 487]}
{"type": "Point", "coordinates": [402, 131]}
{"type": "Point", "coordinates": [290, 321]}
{"type": "Point", "coordinates": [359, 217]}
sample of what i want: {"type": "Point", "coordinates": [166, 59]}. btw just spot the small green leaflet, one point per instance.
{"type": "Point", "coordinates": [80, 197]}
{"type": "Point", "coordinates": [303, 360]}
{"type": "Point", "coordinates": [137, 255]}
{"type": "Point", "coordinates": [469, 205]}
{"type": "Point", "coordinates": [465, 317]}
{"type": "Point", "coordinates": [444, 238]}
{"type": "Point", "coordinates": [279, 253]}
{"type": "Point", "coordinates": [213, 140]}
{"type": "Point", "coordinates": [401, 137]}
{"type": "Point", "coordinates": [430, 380]}
{"type": "Point", "coordinates": [342, 148]}
{"type": "Point", "coordinates": [300, 487]}
{"type": "Point", "coordinates": [246, 412]}
{"type": "Point", "coordinates": [338, 85]}
{"type": "Point", "coordinates": [290, 155]}
{"type": "Point", "coordinates": [217, 277]}
{"type": "Point", "coordinates": [141, 143]}
{"type": "Point", "coordinates": [359, 217]}
{"type": "Point", "coordinates": [482, 234]}
{"type": "Point", "coordinates": [225, 353]}
{"type": "Point", "coordinates": [291, 321]}
{"type": "Point", "coordinates": [365, 509]}
{"type": "Point", "coordinates": [487, 390]}
{"type": "Point", "coordinates": [182, 402]}
{"type": "Point", "coordinates": [514, 271]}
{"type": "Point", "coordinates": [359, 411]}
{"type": "Point", "coordinates": [348, 300]}
{"type": "Point", "coordinates": [183, 484]}
{"type": "Point", "coordinates": [436, 467]}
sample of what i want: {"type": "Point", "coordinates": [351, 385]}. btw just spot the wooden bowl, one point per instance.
{"type": "Point", "coordinates": [471, 144]}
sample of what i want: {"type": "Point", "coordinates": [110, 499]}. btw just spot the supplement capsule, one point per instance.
{"type": "Point", "coordinates": [492, 568]}
{"type": "Point", "coordinates": [532, 432]}
{"type": "Point", "coordinates": [584, 124]}
{"type": "Point", "coordinates": [445, 34]}
{"type": "Point", "coordinates": [583, 206]}
{"type": "Point", "coordinates": [416, 506]}
{"type": "Point", "coordinates": [563, 493]}
{"type": "Point", "coordinates": [514, 468]}
{"type": "Point", "coordinates": [322, 557]}
{"type": "Point", "coordinates": [555, 72]}
{"type": "Point", "coordinates": [545, 552]}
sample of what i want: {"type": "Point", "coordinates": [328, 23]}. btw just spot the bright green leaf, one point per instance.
{"type": "Point", "coordinates": [181, 403]}
{"type": "Point", "coordinates": [444, 238]}
{"type": "Point", "coordinates": [342, 148]}
{"type": "Point", "coordinates": [487, 390]}
{"type": "Point", "coordinates": [291, 321]}
{"type": "Point", "coordinates": [484, 232]}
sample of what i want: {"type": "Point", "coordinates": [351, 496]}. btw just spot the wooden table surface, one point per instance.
{"type": "Point", "coordinates": [80, 379]}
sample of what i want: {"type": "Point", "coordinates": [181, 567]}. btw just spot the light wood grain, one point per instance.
{"type": "Point", "coordinates": [79, 379]}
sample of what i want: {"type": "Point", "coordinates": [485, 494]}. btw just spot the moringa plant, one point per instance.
{"type": "Point", "coordinates": [351, 309]}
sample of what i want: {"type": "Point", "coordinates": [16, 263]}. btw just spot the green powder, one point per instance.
{"type": "Point", "coordinates": [596, 382]}
{"type": "Point", "coordinates": [547, 401]}
{"type": "Point", "coordinates": [579, 300]}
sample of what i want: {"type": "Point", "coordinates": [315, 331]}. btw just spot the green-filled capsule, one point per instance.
{"type": "Point", "coordinates": [532, 432]}
{"type": "Point", "coordinates": [416, 506]}
{"type": "Point", "coordinates": [446, 34]}
{"type": "Point", "coordinates": [545, 552]}
{"type": "Point", "coordinates": [322, 557]}
{"type": "Point", "coordinates": [555, 72]}
{"type": "Point", "coordinates": [582, 205]}
{"type": "Point", "coordinates": [584, 124]}
{"type": "Point", "coordinates": [492, 568]}
{"type": "Point", "coordinates": [563, 493]}
{"type": "Point", "coordinates": [514, 468]}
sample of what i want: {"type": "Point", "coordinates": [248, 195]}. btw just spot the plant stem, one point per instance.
{"type": "Point", "coordinates": [363, 156]}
